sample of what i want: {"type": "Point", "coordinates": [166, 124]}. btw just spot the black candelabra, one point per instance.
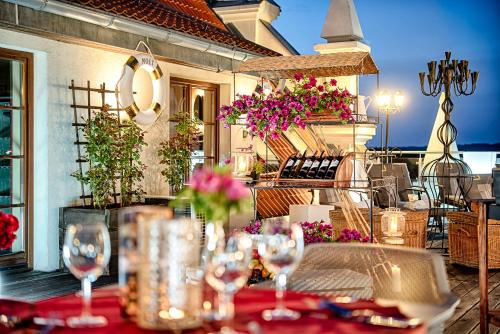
{"type": "Point", "coordinates": [448, 178]}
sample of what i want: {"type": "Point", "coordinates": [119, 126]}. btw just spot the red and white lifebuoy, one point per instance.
{"type": "Point", "coordinates": [124, 89]}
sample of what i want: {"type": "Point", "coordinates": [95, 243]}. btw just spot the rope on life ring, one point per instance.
{"type": "Point", "coordinates": [124, 91]}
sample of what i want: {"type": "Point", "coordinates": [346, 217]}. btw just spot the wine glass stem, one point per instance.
{"type": "Point", "coordinates": [280, 291]}
{"type": "Point", "coordinates": [86, 297]}
{"type": "Point", "coordinates": [226, 305]}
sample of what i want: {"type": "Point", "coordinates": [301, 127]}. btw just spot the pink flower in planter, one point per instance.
{"type": "Point", "coordinates": [278, 111]}
{"type": "Point", "coordinates": [284, 126]}
{"type": "Point", "coordinates": [312, 81]}
{"type": "Point", "coordinates": [298, 76]}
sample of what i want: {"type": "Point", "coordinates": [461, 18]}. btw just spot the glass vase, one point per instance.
{"type": "Point", "coordinates": [169, 276]}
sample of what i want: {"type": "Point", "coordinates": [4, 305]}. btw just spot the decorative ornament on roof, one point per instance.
{"type": "Point", "coordinates": [342, 23]}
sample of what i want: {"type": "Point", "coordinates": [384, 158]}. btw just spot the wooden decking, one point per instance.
{"type": "Point", "coordinates": [463, 282]}
{"type": "Point", "coordinates": [37, 285]}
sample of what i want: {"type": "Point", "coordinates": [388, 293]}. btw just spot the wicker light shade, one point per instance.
{"type": "Point", "coordinates": [321, 65]}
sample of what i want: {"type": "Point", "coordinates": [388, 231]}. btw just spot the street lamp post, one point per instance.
{"type": "Point", "coordinates": [389, 104]}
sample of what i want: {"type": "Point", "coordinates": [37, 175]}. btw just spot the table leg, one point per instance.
{"type": "Point", "coordinates": [483, 268]}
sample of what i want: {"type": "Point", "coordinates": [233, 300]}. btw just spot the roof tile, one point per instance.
{"type": "Point", "coordinates": [193, 17]}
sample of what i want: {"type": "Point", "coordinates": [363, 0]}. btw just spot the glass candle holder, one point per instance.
{"type": "Point", "coordinates": [243, 163]}
{"type": "Point", "coordinates": [169, 275]}
{"type": "Point", "coordinates": [128, 263]}
{"type": "Point", "coordinates": [393, 226]}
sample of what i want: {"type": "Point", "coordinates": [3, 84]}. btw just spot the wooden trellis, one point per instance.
{"type": "Point", "coordinates": [83, 106]}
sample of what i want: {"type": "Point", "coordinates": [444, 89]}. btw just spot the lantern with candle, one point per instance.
{"type": "Point", "coordinates": [243, 161]}
{"type": "Point", "coordinates": [393, 226]}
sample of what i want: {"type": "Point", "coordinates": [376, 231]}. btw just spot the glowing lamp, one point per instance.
{"type": "Point", "coordinates": [243, 163]}
{"type": "Point", "coordinates": [398, 99]}
{"type": "Point", "coordinates": [393, 226]}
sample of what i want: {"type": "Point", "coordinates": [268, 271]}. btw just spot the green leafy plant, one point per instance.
{"type": "Point", "coordinates": [259, 167]}
{"type": "Point", "coordinates": [129, 164]}
{"type": "Point", "coordinates": [113, 153]}
{"type": "Point", "coordinates": [175, 153]}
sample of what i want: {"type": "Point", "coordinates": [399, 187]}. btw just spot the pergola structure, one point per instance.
{"type": "Point", "coordinates": [320, 65]}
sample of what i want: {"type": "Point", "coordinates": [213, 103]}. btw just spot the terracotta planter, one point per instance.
{"type": "Point", "coordinates": [324, 116]}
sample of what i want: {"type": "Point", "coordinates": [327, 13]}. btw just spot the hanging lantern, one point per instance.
{"type": "Point", "coordinates": [243, 163]}
{"type": "Point", "coordinates": [393, 226]}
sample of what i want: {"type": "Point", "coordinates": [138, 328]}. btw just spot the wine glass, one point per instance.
{"type": "Point", "coordinates": [281, 249]}
{"type": "Point", "coordinates": [86, 253]}
{"type": "Point", "coordinates": [227, 271]}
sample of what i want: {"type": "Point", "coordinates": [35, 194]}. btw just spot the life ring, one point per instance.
{"type": "Point", "coordinates": [125, 93]}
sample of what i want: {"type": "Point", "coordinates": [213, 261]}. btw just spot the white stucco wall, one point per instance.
{"type": "Point", "coordinates": [56, 64]}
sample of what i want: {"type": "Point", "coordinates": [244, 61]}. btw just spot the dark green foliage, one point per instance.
{"type": "Point", "coordinates": [114, 159]}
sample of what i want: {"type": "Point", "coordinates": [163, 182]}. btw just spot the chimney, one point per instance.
{"type": "Point", "coordinates": [342, 23]}
{"type": "Point", "coordinates": [342, 29]}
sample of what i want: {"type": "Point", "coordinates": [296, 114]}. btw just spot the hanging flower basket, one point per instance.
{"type": "Point", "coordinates": [270, 115]}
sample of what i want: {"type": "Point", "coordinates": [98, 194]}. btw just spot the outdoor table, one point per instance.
{"type": "Point", "coordinates": [249, 305]}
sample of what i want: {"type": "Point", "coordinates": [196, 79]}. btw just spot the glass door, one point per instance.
{"type": "Point", "coordinates": [201, 100]}
{"type": "Point", "coordinates": [15, 160]}
{"type": "Point", "coordinates": [204, 107]}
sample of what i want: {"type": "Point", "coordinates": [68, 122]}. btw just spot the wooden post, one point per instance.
{"type": "Point", "coordinates": [483, 268]}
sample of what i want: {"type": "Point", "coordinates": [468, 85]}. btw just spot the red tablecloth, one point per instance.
{"type": "Point", "coordinates": [249, 305]}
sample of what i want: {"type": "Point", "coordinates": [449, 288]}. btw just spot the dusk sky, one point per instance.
{"type": "Point", "coordinates": [404, 35]}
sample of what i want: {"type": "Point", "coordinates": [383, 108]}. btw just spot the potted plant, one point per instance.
{"type": "Point", "coordinates": [270, 115]}
{"type": "Point", "coordinates": [113, 151]}
{"type": "Point", "coordinates": [175, 153]}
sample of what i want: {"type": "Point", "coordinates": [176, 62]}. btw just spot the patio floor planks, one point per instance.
{"type": "Point", "coordinates": [36, 285]}
{"type": "Point", "coordinates": [464, 283]}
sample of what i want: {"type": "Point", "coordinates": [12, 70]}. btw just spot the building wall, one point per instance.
{"type": "Point", "coordinates": [266, 38]}
{"type": "Point", "coordinates": [56, 64]}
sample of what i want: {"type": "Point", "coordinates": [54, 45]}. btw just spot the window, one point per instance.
{"type": "Point", "coordinates": [201, 100]}
{"type": "Point", "coordinates": [16, 80]}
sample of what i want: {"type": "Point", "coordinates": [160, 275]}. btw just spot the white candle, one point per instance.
{"type": "Point", "coordinates": [396, 278]}
{"type": "Point", "coordinates": [393, 224]}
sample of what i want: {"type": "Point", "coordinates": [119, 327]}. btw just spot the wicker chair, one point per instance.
{"type": "Point", "coordinates": [415, 280]}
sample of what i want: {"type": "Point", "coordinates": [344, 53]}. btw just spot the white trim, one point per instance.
{"type": "Point", "coordinates": [130, 26]}
{"type": "Point", "coordinates": [45, 231]}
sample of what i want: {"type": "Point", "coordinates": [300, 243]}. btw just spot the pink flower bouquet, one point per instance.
{"type": "Point", "coordinates": [215, 193]}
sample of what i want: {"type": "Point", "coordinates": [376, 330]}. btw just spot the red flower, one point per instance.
{"type": "Point", "coordinates": [333, 82]}
{"type": "Point", "coordinates": [8, 226]}
{"type": "Point", "coordinates": [312, 81]}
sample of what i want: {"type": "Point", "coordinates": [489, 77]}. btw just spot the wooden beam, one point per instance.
{"type": "Point", "coordinates": [483, 268]}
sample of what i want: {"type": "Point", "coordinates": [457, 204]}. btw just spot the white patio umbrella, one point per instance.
{"type": "Point", "coordinates": [435, 147]}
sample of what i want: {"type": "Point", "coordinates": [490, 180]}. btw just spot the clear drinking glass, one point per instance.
{"type": "Point", "coordinates": [281, 249]}
{"type": "Point", "coordinates": [227, 271]}
{"type": "Point", "coordinates": [86, 253]}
